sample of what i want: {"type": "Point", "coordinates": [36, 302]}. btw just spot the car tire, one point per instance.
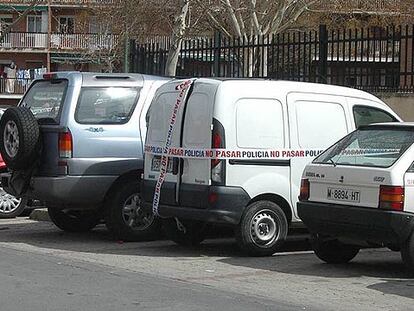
{"type": "Point", "coordinates": [125, 217]}
{"type": "Point", "coordinates": [19, 138]}
{"type": "Point", "coordinates": [407, 253]}
{"type": "Point", "coordinates": [263, 229]}
{"type": "Point", "coordinates": [10, 206]}
{"type": "Point", "coordinates": [74, 221]}
{"type": "Point", "coordinates": [333, 251]}
{"type": "Point", "coordinates": [185, 232]}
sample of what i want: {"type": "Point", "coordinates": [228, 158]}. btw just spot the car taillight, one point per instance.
{"type": "Point", "coordinates": [65, 145]}
{"type": "Point", "coordinates": [304, 190]}
{"type": "Point", "coordinates": [391, 198]}
{"type": "Point", "coordinates": [218, 142]}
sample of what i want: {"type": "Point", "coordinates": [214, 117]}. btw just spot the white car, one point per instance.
{"type": "Point", "coordinates": [245, 120]}
{"type": "Point", "coordinates": [360, 193]}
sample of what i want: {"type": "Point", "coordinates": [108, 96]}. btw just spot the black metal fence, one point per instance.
{"type": "Point", "coordinates": [375, 59]}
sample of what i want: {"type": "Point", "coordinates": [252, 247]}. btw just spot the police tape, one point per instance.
{"type": "Point", "coordinates": [222, 154]}
{"type": "Point", "coordinates": [182, 95]}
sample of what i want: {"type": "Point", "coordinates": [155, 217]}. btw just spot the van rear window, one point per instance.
{"type": "Point", "coordinates": [106, 105]}
{"type": "Point", "coordinates": [45, 99]}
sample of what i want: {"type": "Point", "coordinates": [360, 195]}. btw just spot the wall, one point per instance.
{"type": "Point", "coordinates": [402, 104]}
{"type": "Point", "coordinates": [26, 60]}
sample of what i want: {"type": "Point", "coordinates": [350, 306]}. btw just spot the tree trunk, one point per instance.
{"type": "Point", "coordinates": [177, 36]}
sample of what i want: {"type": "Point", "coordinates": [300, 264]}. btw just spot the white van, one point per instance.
{"type": "Point", "coordinates": [256, 195]}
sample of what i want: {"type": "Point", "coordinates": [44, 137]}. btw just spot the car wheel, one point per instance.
{"type": "Point", "coordinates": [10, 206]}
{"type": "Point", "coordinates": [126, 218]}
{"type": "Point", "coordinates": [185, 232]}
{"type": "Point", "coordinates": [74, 221]}
{"type": "Point", "coordinates": [263, 229]}
{"type": "Point", "coordinates": [407, 253]}
{"type": "Point", "coordinates": [333, 251]}
{"type": "Point", "coordinates": [19, 138]}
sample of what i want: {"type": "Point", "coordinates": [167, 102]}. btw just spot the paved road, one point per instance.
{"type": "Point", "coordinates": [42, 268]}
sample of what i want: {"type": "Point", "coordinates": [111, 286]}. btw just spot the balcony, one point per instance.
{"type": "Point", "coordinates": [62, 42]}
{"type": "Point", "coordinates": [11, 87]}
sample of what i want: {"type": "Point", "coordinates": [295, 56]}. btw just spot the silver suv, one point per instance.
{"type": "Point", "coordinates": [76, 143]}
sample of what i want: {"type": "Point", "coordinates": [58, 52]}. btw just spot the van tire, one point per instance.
{"type": "Point", "coordinates": [74, 221]}
{"type": "Point", "coordinates": [407, 253]}
{"type": "Point", "coordinates": [195, 231]}
{"type": "Point", "coordinates": [333, 251]}
{"type": "Point", "coordinates": [123, 205]}
{"type": "Point", "coordinates": [268, 216]}
{"type": "Point", "coordinates": [20, 123]}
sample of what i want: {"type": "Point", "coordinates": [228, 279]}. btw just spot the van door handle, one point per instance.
{"type": "Point", "coordinates": [176, 164]}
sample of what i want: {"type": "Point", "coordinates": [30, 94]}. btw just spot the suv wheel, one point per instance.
{"type": "Point", "coordinates": [74, 221]}
{"type": "Point", "coordinates": [263, 229]}
{"type": "Point", "coordinates": [333, 251]}
{"type": "Point", "coordinates": [11, 206]}
{"type": "Point", "coordinates": [19, 138]}
{"type": "Point", "coordinates": [126, 218]}
{"type": "Point", "coordinates": [185, 232]}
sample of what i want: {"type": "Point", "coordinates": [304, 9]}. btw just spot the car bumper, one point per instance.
{"type": "Point", "coordinates": [367, 225]}
{"type": "Point", "coordinates": [67, 191]}
{"type": "Point", "coordinates": [216, 204]}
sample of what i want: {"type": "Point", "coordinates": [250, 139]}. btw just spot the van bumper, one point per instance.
{"type": "Point", "coordinates": [216, 204]}
{"type": "Point", "coordinates": [368, 225]}
{"type": "Point", "coordinates": [68, 191]}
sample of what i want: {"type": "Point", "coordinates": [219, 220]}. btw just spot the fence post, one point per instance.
{"type": "Point", "coordinates": [323, 54]}
{"type": "Point", "coordinates": [132, 56]}
{"type": "Point", "coordinates": [217, 52]}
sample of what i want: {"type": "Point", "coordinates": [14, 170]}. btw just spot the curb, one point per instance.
{"type": "Point", "coordinates": [40, 214]}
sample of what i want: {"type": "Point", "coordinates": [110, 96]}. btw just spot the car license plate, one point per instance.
{"type": "Point", "coordinates": [156, 164]}
{"type": "Point", "coordinates": [347, 195]}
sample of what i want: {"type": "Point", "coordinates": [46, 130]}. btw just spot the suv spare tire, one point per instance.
{"type": "Point", "coordinates": [19, 138]}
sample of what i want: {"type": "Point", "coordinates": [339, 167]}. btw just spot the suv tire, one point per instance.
{"type": "Point", "coordinates": [19, 138]}
{"type": "Point", "coordinates": [263, 229]}
{"type": "Point", "coordinates": [185, 232]}
{"type": "Point", "coordinates": [333, 251]}
{"type": "Point", "coordinates": [126, 218]}
{"type": "Point", "coordinates": [74, 221]}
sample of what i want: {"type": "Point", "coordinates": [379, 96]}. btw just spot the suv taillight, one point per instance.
{"type": "Point", "coordinates": [391, 198]}
{"type": "Point", "coordinates": [65, 145]}
{"type": "Point", "coordinates": [218, 166]}
{"type": "Point", "coordinates": [304, 190]}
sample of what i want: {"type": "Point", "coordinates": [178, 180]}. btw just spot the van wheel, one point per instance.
{"type": "Point", "coordinates": [263, 229]}
{"type": "Point", "coordinates": [19, 138]}
{"type": "Point", "coordinates": [185, 232]}
{"type": "Point", "coordinates": [126, 218]}
{"type": "Point", "coordinates": [333, 251]}
{"type": "Point", "coordinates": [74, 221]}
{"type": "Point", "coordinates": [407, 253]}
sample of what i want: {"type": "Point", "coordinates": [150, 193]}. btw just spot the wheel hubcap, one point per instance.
{"type": "Point", "coordinates": [134, 215]}
{"type": "Point", "coordinates": [11, 139]}
{"type": "Point", "coordinates": [263, 228]}
{"type": "Point", "coordinates": [8, 203]}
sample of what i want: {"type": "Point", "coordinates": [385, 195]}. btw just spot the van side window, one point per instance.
{"type": "Point", "coordinates": [319, 124]}
{"type": "Point", "coordinates": [259, 123]}
{"type": "Point", "coordinates": [365, 115]}
{"type": "Point", "coordinates": [106, 105]}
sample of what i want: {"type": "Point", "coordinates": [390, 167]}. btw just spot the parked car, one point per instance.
{"type": "Point", "coordinates": [256, 196]}
{"type": "Point", "coordinates": [360, 192]}
{"type": "Point", "coordinates": [75, 142]}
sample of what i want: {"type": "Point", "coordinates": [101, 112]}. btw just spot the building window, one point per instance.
{"type": "Point", "coordinates": [66, 24]}
{"type": "Point", "coordinates": [5, 21]}
{"type": "Point", "coordinates": [34, 23]}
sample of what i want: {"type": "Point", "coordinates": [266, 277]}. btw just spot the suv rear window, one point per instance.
{"type": "Point", "coordinates": [374, 147]}
{"type": "Point", "coordinates": [106, 105]}
{"type": "Point", "coordinates": [45, 98]}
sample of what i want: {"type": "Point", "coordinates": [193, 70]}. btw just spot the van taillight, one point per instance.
{"type": "Point", "coordinates": [218, 168]}
{"type": "Point", "coordinates": [304, 190]}
{"type": "Point", "coordinates": [65, 145]}
{"type": "Point", "coordinates": [391, 198]}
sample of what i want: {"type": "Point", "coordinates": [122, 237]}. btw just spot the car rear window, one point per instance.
{"type": "Point", "coordinates": [106, 105]}
{"type": "Point", "coordinates": [45, 99]}
{"type": "Point", "coordinates": [375, 147]}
